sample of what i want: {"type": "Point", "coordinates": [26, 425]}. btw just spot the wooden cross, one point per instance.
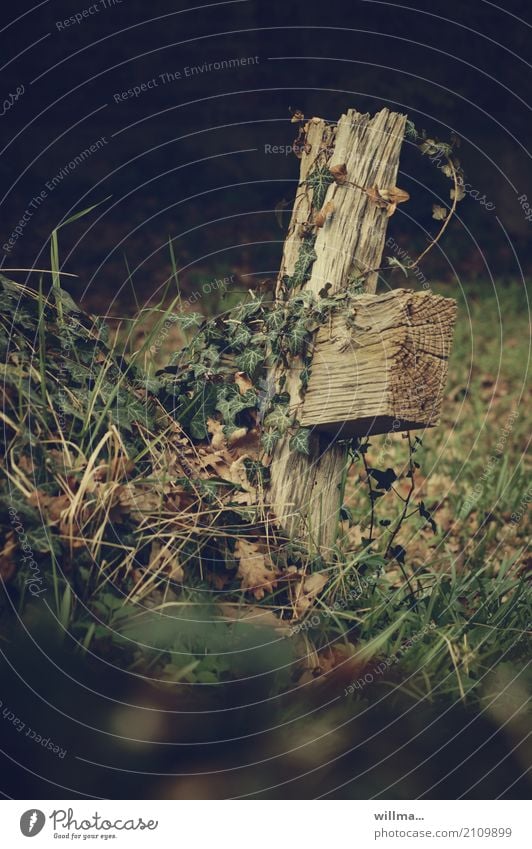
{"type": "Point", "coordinates": [382, 367]}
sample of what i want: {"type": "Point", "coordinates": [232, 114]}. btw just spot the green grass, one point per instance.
{"type": "Point", "coordinates": [459, 593]}
{"type": "Point", "coordinates": [470, 576]}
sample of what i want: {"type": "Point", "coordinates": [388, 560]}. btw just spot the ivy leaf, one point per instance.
{"type": "Point", "coordinates": [197, 410]}
{"type": "Point", "coordinates": [209, 489]}
{"type": "Point", "coordinates": [393, 261]}
{"type": "Point", "coordinates": [275, 320]}
{"type": "Point", "coordinates": [125, 408]}
{"type": "Point", "coordinates": [297, 337]}
{"type": "Point", "coordinates": [198, 425]}
{"type": "Point", "coordinates": [188, 320]}
{"type": "Point", "coordinates": [384, 479]}
{"type": "Point", "coordinates": [410, 130]}
{"type": "Point", "coordinates": [305, 259]}
{"type": "Point", "coordinates": [241, 336]}
{"type": "Point", "coordinates": [280, 399]}
{"type": "Point", "coordinates": [246, 309]}
{"type": "Point", "coordinates": [425, 514]}
{"type": "Point", "coordinates": [356, 286]}
{"type": "Point", "coordinates": [198, 370]}
{"type": "Point", "coordinates": [279, 419]}
{"type": "Point", "coordinates": [230, 403]}
{"type": "Point", "coordinates": [250, 360]}
{"type": "Point", "coordinates": [346, 515]}
{"type": "Point", "coordinates": [398, 553]}
{"type": "Point", "coordinates": [148, 384]}
{"type": "Point", "coordinates": [269, 440]}
{"type": "Point", "coordinates": [319, 181]}
{"type": "Point", "coordinates": [430, 147]}
{"type": "Point", "coordinates": [304, 377]}
{"type": "Point", "coordinates": [300, 441]}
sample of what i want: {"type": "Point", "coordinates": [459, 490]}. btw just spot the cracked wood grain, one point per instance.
{"type": "Point", "coordinates": [305, 490]}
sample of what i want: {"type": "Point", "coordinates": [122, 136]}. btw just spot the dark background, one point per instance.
{"type": "Point", "coordinates": [186, 160]}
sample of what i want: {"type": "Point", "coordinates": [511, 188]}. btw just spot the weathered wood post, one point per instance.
{"type": "Point", "coordinates": [346, 244]}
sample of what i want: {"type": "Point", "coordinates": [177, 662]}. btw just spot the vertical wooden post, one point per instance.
{"type": "Point", "coordinates": [305, 492]}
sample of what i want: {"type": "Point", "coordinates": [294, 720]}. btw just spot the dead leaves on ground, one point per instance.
{"type": "Point", "coordinates": [259, 575]}
{"type": "Point", "coordinates": [226, 457]}
{"type": "Point", "coordinates": [255, 568]}
{"type": "Point", "coordinates": [306, 592]}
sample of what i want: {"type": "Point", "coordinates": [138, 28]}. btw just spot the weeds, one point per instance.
{"type": "Point", "coordinates": [138, 527]}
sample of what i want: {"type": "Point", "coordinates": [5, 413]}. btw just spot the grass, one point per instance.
{"type": "Point", "coordinates": [133, 525]}
{"type": "Point", "coordinates": [470, 574]}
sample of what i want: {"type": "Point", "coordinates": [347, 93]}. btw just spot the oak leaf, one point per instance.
{"type": "Point", "coordinates": [255, 569]}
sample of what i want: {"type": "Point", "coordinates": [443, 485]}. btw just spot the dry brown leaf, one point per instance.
{"type": "Point", "coordinates": [394, 195]}
{"type": "Point", "coordinates": [255, 569]}
{"type": "Point", "coordinates": [306, 594]}
{"type": "Point", "coordinates": [26, 464]}
{"type": "Point", "coordinates": [161, 558]}
{"type": "Point", "coordinates": [247, 444]}
{"type": "Point", "coordinates": [297, 117]}
{"type": "Point", "coordinates": [252, 614]}
{"type": "Point", "coordinates": [238, 476]}
{"type": "Point", "coordinates": [458, 193]}
{"type": "Point", "coordinates": [138, 500]}
{"type": "Point", "coordinates": [439, 213]}
{"type": "Point", "coordinates": [339, 173]}
{"type": "Point", "coordinates": [375, 197]}
{"type": "Point", "coordinates": [243, 382]}
{"type": "Point", "coordinates": [326, 210]}
{"type": "Point", "coordinates": [242, 441]}
{"type": "Point", "coordinates": [236, 436]}
{"type": "Point", "coordinates": [216, 431]}
{"type": "Point", "coordinates": [227, 468]}
{"type": "Point", "coordinates": [52, 506]}
{"type": "Point", "coordinates": [226, 458]}
{"type": "Point", "coordinates": [387, 198]}
{"type": "Point", "coordinates": [7, 561]}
